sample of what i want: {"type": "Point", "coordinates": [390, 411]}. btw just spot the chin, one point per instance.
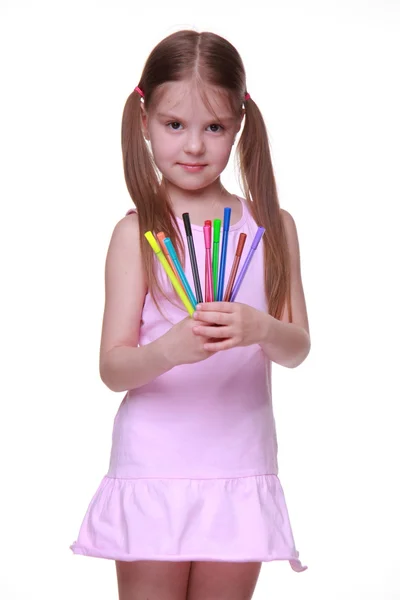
{"type": "Point", "coordinates": [190, 183]}
{"type": "Point", "coordinates": [192, 187]}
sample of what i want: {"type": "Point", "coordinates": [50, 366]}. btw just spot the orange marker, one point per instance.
{"type": "Point", "coordinates": [238, 256]}
{"type": "Point", "coordinates": [161, 237]}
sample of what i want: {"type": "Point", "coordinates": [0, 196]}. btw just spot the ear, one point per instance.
{"type": "Point", "coordinates": [144, 122]}
{"type": "Point", "coordinates": [241, 119]}
{"type": "Point", "coordinates": [239, 124]}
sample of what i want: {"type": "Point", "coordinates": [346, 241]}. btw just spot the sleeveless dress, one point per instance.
{"type": "Point", "coordinates": [193, 473]}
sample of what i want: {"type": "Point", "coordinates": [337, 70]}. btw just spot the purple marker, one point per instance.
{"type": "Point", "coordinates": [256, 241]}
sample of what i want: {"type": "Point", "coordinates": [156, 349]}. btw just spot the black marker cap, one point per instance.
{"type": "Point", "coordinates": [186, 221]}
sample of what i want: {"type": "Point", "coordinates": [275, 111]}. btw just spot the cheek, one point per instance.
{"type": "Point", "coordinates": [223, 151]}
{"type": "Point", "coordinates": [161, 146]}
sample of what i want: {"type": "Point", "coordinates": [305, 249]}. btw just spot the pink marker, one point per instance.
{"type": "Point", "coordinates": [207, 242]}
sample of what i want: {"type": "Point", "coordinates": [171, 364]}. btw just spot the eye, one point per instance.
{"type": "Point", "coordinates": [215, 128]}
{"type": "Point", "coordinates": [174, 125]}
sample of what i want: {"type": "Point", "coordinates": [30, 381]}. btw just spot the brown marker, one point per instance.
{"type": "Point", "coordinates": [232, 276]}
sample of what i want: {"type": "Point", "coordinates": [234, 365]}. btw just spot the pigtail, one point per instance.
{"type": "Point", "coordinates": [148, 195]}
{"type": "Point", "coordinates": [140, 175]}
{"type": "Point", "coordinates": [259, 186]}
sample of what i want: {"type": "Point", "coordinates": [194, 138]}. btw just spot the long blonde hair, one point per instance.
{"type": "Point", "coordinates": [212, 60]}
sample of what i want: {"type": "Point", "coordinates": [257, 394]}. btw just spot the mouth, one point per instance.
{"type": "Point", "coordinates": [192, 167]}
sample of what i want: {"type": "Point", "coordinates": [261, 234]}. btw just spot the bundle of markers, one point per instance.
{"type": "Point", "coordinates": [214, 265]}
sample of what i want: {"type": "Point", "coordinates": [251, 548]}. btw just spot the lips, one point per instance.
{"type": "Point", "coordinates": [192, 167]}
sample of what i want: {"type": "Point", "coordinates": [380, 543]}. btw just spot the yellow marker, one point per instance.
{"type": "Point", "coordinates": [178, 288]}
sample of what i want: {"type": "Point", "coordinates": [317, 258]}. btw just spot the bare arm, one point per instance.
{"type": "Point", "coordinates": [289, 343]}
{"type": "Point", "coordinates": [124, 365]}
{"type": "Point", "coordinates": [126, 368]}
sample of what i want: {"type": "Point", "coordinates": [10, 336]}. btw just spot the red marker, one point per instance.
{"type": "Point", "coordinates": [238, 256]}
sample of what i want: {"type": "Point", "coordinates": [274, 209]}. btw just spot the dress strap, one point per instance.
{"type": "Point", "coordinates": [130, 211]}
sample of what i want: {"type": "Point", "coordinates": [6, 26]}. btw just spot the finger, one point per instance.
{"type": "Point", "coordinates": [219, 318]}
{"type": "Point", "coordinates": [220, 345]}
{"type": "Point", "coordinates": [227, 307]}
{"type": "Point", "coordinates": [212, 332]}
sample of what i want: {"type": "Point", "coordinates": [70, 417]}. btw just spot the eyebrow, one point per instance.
{"type": "Point", "coordinates": [172, 117]}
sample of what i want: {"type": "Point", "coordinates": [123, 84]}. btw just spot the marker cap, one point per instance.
{"type": "Point", "coordinates": [186, 221]}
{"type": "Point", "coordinates": [227, 218]}
{"type": "Point", "coordinates": [257, 237]}
{"type": "Point", "coordinates": [217, 230]}
{"type": "Point", "coordinates": [152, 241]}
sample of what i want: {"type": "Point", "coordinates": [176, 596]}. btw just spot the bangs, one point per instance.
{"type": "Point", "coordinates": [220, 102]}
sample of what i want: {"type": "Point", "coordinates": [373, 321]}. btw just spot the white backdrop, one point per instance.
{"type": "Point", "coordinates": [325, 75]}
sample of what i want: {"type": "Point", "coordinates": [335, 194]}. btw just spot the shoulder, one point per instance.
{"type": "Point", "coordinates": [125, 234]}
{"type": "Point", "coordinates": [124, 253]}
{"type": "Point", "coordinates": [287, 219]}
{"type": "Point", "coordinates": [291, 234]}
{"type": "Point", "coordinates": [128, 222]}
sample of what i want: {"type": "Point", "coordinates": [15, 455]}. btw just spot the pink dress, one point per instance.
{"type": "Point", "coordinates": [193, 472]}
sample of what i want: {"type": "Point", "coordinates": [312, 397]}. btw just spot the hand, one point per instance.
{"type": "Point", "coordinates": [180, 346]}
{"type": "Point", "coordinates": [232, 323]}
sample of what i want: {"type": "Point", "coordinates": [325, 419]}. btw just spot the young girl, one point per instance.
{"type": "Point", "coordinates": [192, 504]}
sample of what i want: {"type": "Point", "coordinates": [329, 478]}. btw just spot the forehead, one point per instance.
{"type": "Point", "coordinates": [188, 99]}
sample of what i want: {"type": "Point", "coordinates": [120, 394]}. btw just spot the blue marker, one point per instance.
{"type": "Point", "coordinates": [222, 264]}
{"type": "Point", "coordinates": [175, 259]}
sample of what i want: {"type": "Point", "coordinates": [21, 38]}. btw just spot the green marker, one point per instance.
{"type": "Point", "coordinates": [215, 255]}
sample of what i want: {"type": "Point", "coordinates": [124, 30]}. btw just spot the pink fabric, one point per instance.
{"type": "Point", "coordinates": [193, 472]}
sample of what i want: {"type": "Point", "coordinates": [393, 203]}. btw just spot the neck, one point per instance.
{"type": "Point", "coordinates": [206, 203]}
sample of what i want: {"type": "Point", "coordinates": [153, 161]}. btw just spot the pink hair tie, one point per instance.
{"type": "Point", "coordinates": [247, 96]}
{"type": "Point", "coordinates": [139, 91]}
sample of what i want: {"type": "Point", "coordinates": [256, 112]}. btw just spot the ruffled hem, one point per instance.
{"type": "Point", "coordinates": [243, 519]}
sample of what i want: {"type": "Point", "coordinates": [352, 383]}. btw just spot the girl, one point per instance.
{"type": "Point", "coordinates": [192, 504]}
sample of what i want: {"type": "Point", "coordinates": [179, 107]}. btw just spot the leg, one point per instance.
{"type": "Point", "coordinates": [152, 580]}
{"type": "Point", "coordinates": [222, 581]}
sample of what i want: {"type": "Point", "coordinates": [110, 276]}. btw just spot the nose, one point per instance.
{"type": "Point", "coordinates": [194, 143]}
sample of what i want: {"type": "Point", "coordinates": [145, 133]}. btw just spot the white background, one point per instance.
{"type": "Point", "coordinates": [326, 76]}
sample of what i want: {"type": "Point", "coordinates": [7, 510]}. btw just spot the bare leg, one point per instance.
{"type": "Point", "coordinates": [222, 581]}
{"type": "Point", "coordinates": [152, 580]}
